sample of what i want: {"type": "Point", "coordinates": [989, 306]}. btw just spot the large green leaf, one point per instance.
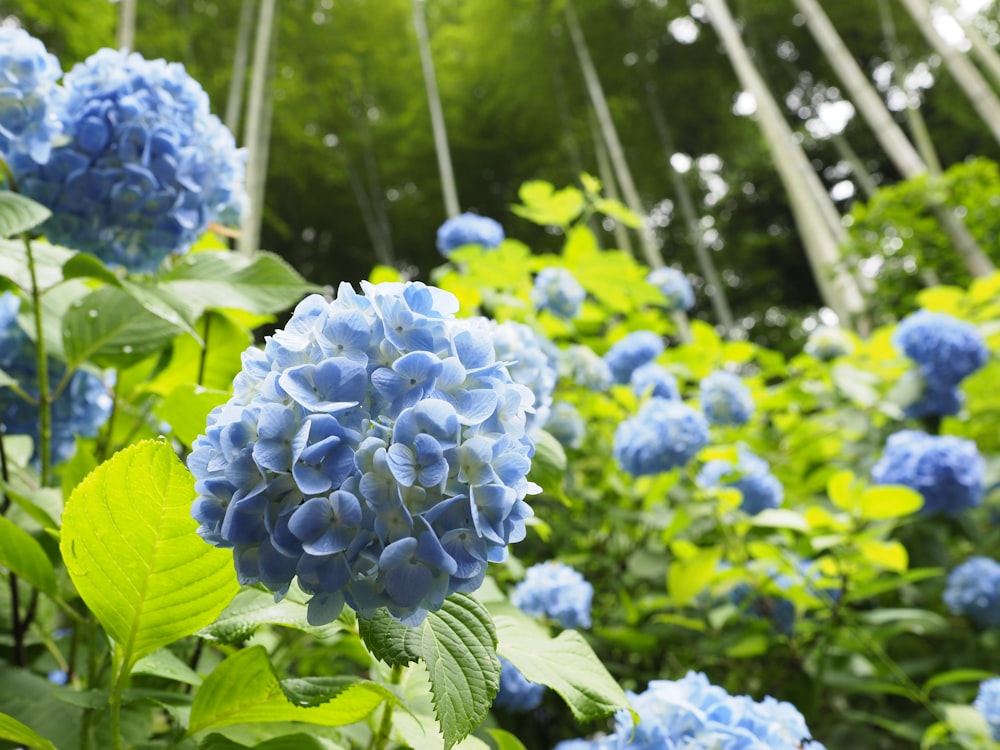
{"type": "Point", "coordinates": [566, 663]}
{"type": "Point", "coordinates": [12, 729]}
{"type": "Point", "coordinates": [252, 608]}
{"type": "Point", "coordinates": [244, 690]}
{"type": "Point", "coordinates": [19, 214]}
{"type": "Point", "coordinates": [457, 644]}
{"type": "Point", "coordinates": [49, 261]}
{"type": "Point", "coordinates": [130, 546]}
{"type": "Point", "coordinates": [22, 554]}
{"type": "Point", "coordinates": [262, 284]}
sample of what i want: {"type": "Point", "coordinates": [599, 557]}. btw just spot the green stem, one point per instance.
{"type": "Point", "coordinates": [42, 363]}
{"type": "Point", "coordinates": [204, 348]}
{"type": "Point", "coordinates": [115, 706]}
{"type": "Point", "coordinates": [381, 738]}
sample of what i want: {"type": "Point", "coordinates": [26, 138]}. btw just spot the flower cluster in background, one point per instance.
{"type": "Point", "coordinates": [751, 476]}
{"type": "Point", "coordinates": [81, 408]}
{"type": "Point", "coordinates": [531, 361]}
{"type": "Point", "coordinates": [29, 99]}
{"type": "Point", "coordinates": [661, 436]}
{"type": "Point", "coordinates": [517, 694]}
{"type": "Point", "coordinates": [693, 713]}
{"type": "Point", "coordinates": [654, 380]}
{"type": "Point", "coordinates": [558, 291]}
{"type": "Point", "coordinates": [946, 350]}
{"type": "Point", "coordinates": [555, 591]}
{"type": "Point", "coordinates": [468, 229]}
{"type": "Point", "coordinates": [674, 286]}
{"type": "Point", "coordinates": [973, 590]}
{"type": "Point", "coordinates": [375, 450]}
{"type": "Point", "coordinates": [566, 424]}
{"type": "Point", "coordinates": [581, 365]}
{"type": "Point", "coordinates": [947, 471]}
{"type": "Point", "coordinates": [829, 342]}
{"type": "Point", "coordinates": [987, 703]}
{"type": "Point", "coordinates": [631, 352]}
{"type": "Point", "coordinates": [725, 399]}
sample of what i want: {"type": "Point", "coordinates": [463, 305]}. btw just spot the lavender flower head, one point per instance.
{"type": "Point", "coordinates": [663, 435]}
{"type": "Point", "coordinates": [631, 352]}
{"type": "Point", "coordinates": [580, 364]}
{"type": "Point", "coordinates": [751, 476]}
{"type": "Point", "coordinates": [987, 703]}
{"type": "Point", "coordinates": [375, 450]}
{"type": "Point", "coordinates": [725, 399]}
{"type": "Point", "coordinates": [557, 591]}
{"type": "Point", "coordinates": [30, 99]}
{"type": "Point", "coordinates": [531, 360]}
{"type": "Point", "coordinates": [558, 291]}
{"type": "Point", "coordinates": [973, 590]}
{"type": "Point", "coordinates": [468, 229]}
{"type": "Point", "coordinates": [674, 286]}
{"type": "Point", "coordinates": [145, 166]}
{"type": "Point", "coordinates": [948, 471]}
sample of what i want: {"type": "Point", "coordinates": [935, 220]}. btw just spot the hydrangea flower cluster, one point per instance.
{"type": "Point", "coordinates": [663, 435]}
{"type": "Point", "coordinates": [829, 342]}
{"type": "Point", "coordinates": [674, 286]}
{"type": "Point", "coordinates": [375, 450]}
{"type": "Point", "coordinates": [693, 713]}
{"type": "Point", "coordinates": [725, 399]}
{"type": "Point", "coordinates": [566, 425]}
{"type": "Point", "coordinates": [948, 471]}
{"type": "Point", "coordinates": [751, 476]}
{"type": "Point", "coordinates": [517, 694]}
{"type": "Point", "coordinates": [635, 350]}
{"type": "Point", "coordinates": [468, 229]}
{"type": "Point", "coordinates": [655, 380]}
{"type": "Point", "coordinates": [987, 703]}
{"type": "Point", "coordinates": [556, 591]}
{"type": "Point", "coordinates": [947, 350]}
{"type": "Point", "coordinates": [81, 409]}
{"type": "Point", "coordinates": [29, 99]}
{"type": "Point", "coordinates": [558, 291]}
{"type": "Point", "coordinates": [531, 361]}
{"type": "Point", "coordinates": [973, 590]}
{"type": "Point", "coordinates": [582, 365]}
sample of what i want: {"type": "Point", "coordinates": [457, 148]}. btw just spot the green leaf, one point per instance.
{"type": "Point", "coordinates": [244, 690]}
{"type": "Point", "coordinates": [87, 266]}
{"type": "Point", "coordinates": [226, 341]}
{"type": "Point", "coordinates": [543, 204]}
{"type": "Point", "coordinates": [186, 409]}
{"type": "Point", "coordinates": [131, 548]}
{"type": "Point", "coordinates": [781, 518]}
{"type": "Point", "coordinates": [22, 554]}
{"type": "Point", "coordinates": [954, 676]}
{"type": "Point", "coordinates": [112, 329]}
{"type": "Point", "coordinates": [888, 555]}
{"type": "Point", "coordinates": [42, 504]}
{"type": "Point", "coordinates": [164, 663]}
{"type": "Point", "coordinates": [12, 729]}
{"type": "Point", "coordinates": [457, 644]}
{"type": "Point", "coordinates": [298, 741]}
{"type": "Point", "coordinates": [567, 664]}
{"type": "Point", "coordinates": [889, 501]}
{"type": "Point", "coordinates": [252, 608]}
{"type": "Point", "coordinates": [505, 740]}
{"type": "Point", "coordinates": [19, 214]}
{"type": "Point", "coordinates": [619, 211]}
{"type": "Point", "coordinates": [262, 284]}
{"type": "Point", "coordinates": [841, 488]}
{"type": "Point", "coordinates": [49, 261]}
{"type": "Point", "coordinates": [688, 577]}
{"type": "Point", "coordinates": [549, 462]}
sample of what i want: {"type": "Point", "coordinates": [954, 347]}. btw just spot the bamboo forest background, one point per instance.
{"type": "Point", "coordinates": [352, 176]}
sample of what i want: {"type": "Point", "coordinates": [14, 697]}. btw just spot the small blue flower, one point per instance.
{"type": "Point", "coordinates": [631, 352]}
{"type": "Point", "coordinates": [531, 362]}
{"type": "Point", "coordinates": [973, 590]}
{"type": "Point", "coordinates": [946, 349]}
{"type": "Point", "coordinates": [468, 229]}
{"type": "Point", "coordinates": [30, 99]}
{"type": "Point", "coordinates": [751, 476]}
{"type": "Point", "coordinates": [557, 591]}
{"type": "Point", "coordinates": [566, 425]}
{"type": "Point", "coordinates": [558, 291]}
{"type": "Point", "coordinates": [987, 703]}
{"type": "Point", "coordinates": [663, 435]}
{"type": "Point", "coordinates": [829, 342]}
{"type": "Point", "coordinates": [948, 471]}
{"type": "Point", "coordinates": [674, 286]}
{"type": "Point", "coordinates": [580, 364]}
{"type": "Point", "coordinates": [653, 379]}
{"type": "Point", "coordinates": [57, 677]}
{"type": "Point", "coordinates": [725, 399]}
{"type": "Point", "coordinates": [517, 694]}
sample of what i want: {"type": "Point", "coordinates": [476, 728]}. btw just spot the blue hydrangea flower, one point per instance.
{"type": "Point", "coordinates": [581, 364]}
{"type": "Point", "coordinates": [558, 291]}
{"type": "Point", "coordinates": [375, 450]}
{"type": "Point", "coordinates": [663, 435]}
{"type": "Point", "coordinates": [934, 399]}
{"type": "Point", "coordinates": [566, 425]}
{"type": "Point", "coordinates": [987, 703]}
{"type": "Point", "coordinates": [30, 99]}
{"type": "Point", "coordinates": [725, 399]}
{"type": "Point", "coordinates": [517, 694]}
{"type": "Point", "coordinates": [81, 408]}
{"type": "Point", "coordinates": [557, 591]}
{"type": "Point", "coordinates": [145, 166]}
{"type": "Point", "coordinates": [631, 352]}
{"type": "Point", "coordinates": [468, 229]}
{"type": "Point", "coordinates": [948, 471]}
{"type": "Point", "coordinates": [531, 360]}
{"type": "Point", "coordinates": [674, 286]}
{"type": "Point", "coordinates": [946, 349]}
{"type": "Point", "coordinates": [751, 476]}
{"type": "Point", "coordinates": [692, 713]}
{"type": "Point", "coordinates": [653, 379]}
{"type": "Point", "coordinates": [973, 590]}
{"type": "Point", "coordinates": [829, 342]}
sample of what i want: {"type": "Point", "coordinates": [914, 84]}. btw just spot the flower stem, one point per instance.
{"type": "Point", "coordinates": [42, 364]}
{"type": "Point", "coordinates": [381, 738]}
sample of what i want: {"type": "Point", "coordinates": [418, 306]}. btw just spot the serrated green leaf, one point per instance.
{"type": "Point", "coordinates": [889, 501]}
{"type": "Point", "coordinates": [165, 663]}
{"type": "Point", "coordinates": [567, 664]}
{"type": "Point", "coordinates": [245, 690]}
{"type": "Point", "coordinates": [130, 545]}
{"type": "Point", "coordinates": [19, 213]}
{"type": "Point", "coordinates": [388, 639]}
{"type": "Point", "coordinates": [21, 553]}
{"type": "Point", "coordinates": [262, 284]}
{"type": "Point", "coordinates": [12, 729]}
{"type": "Point", "coordinates": [252, 608]}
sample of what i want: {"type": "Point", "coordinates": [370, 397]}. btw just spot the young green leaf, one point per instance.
{"type": "Point", "coordinates": [22, 554]}
{"type": "Point", "coordinates": [889, 501]}
{"type": "Point", "coordinates": [12, 729]}
{"type": "Point", "coordinates": [19, 213]}
{"type": "Point", "coordinates": [130, 546]}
